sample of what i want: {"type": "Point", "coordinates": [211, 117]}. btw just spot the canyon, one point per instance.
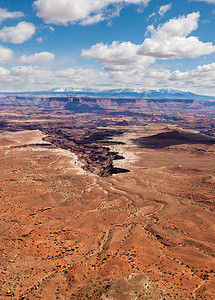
{"type": "Point", "coordinates": [107, 198]}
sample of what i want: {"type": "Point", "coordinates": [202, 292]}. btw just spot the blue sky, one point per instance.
{"type": "Point", "coordinates": [140, 44]}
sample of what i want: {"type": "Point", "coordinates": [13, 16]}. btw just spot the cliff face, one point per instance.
{"type": "Point", "coordinates": [75, 123]}
{"type": "Point", "coordinates": [88, 142]}
{"type": "Point", "coordinates": [91, 147]}
{"type": "Point", "coordinates": [85, 105]}
{"type": "Point", "coordinates": [135, 106]}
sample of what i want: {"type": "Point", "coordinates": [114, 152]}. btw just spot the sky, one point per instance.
{"type": "Point", "coordinates": [107, 44]}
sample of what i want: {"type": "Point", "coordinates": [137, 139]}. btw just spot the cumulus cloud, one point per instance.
{"type": "Point", "coordinates": [115, 53]}
{"type": "Point", "coordinates": [179, 47]}
{"type": "Point", "coordinates": [170, 40]}
{"type": "Point", "coordinates": [117, 56]}
{"type": "Point", "coordinates": [85, 12]}
{"type": "Point", "coordinates": [4, 72]}
{"type": "Point", "coordinates": [81, 77]}
{"type": "Point", "coordinates": [5, 55]}
{"type": "Point", "coordinates": [30, 78]}
{"type": "Point", "coordinates": [179, 27]}
{"type": "Point", "coordinates": [125, 64]}
{"type": "Point", "coordinates": [5, 14]}
{"type": "Point", "coordinates": [18, 34]}
{"type": "Point", "coordinates": [29, 72]}
{"type": "Point", "coordinates": [36, 78]}
{"type": "Point", "coordinates": [37, 58]}
{"type": "Point", "coordinates": [164, 8]}
{"type": "Point", "coordinates": [201, 76]}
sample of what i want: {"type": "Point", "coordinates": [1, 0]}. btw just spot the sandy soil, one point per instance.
{"type": "Point", "coordinates": [69, 234]}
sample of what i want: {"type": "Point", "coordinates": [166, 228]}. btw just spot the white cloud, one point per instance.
{"type": "Point", "coordinates": [39, 39]}
{"type": "Point", "coordinates": [201, 76]}
{"type": "Point", "coordinates": [84, 12]}
{"type": "Point", "coordinates": [4, 72]}
{"type": "Point", "coordinates": [51, 28]}
{"type": "Point", "coordinates": [26, 77]}
{"type": "Point", "coordinates": [30, 78]}
{"type": "Point", "coordinates": [37, 58]}
{"type": "Point", "coordinates": [178, 27]}
{"type": "Point", "coordinates": [48, 27]}
{"type": "Point", "coordinates": [207, 1]}
{"type": "Point", "coordinates": [18, 34]}
{"type": "Point", "coordinates": [27, 71]}
{"type": "Point", "coordinates": [178, 47]}
{"type": "Point", "coordinates": [170, 40]}
{"type": "Point", "coordinates": [128, 65]}
{"type": "Point", "coordinates": [200, 80]}
{"type": "Point", "coordinates": [164, 8]}
{"type": "Point", "coordinates": [151, 16]}
{"type": "Point", "coordinates": [117, 56]}
{"type": "Point", "coordinates": [5, 55]}
{"type": "Point", "coordinates": [5, 14]}
{"type": "Point", "coordinates": [81, 77]}
{"type": "Point", "coordinates": [93, 19]}
{"type": "Point", "coordinates": [125, 64]}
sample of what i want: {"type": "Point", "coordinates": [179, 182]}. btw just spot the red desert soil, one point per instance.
{"type": "Point", "coordinates": [66, 233]}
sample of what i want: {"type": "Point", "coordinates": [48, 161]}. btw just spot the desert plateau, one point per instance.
{"type": "Point", "coordinates": [107, 199]}
{"type": "Point", "coordinates": [107, 150]}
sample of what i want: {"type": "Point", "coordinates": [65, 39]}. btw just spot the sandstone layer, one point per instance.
{"type": "Point", "coordinates": [73, 229]}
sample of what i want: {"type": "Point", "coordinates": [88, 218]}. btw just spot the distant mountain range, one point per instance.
{"type": "Point", "coordinates": [129, 93]}
{"type": "Point", "coordinates": [119, 93]}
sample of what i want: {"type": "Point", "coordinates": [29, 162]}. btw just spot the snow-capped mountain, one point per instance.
{"type": "Point", "coordinates": [129, 93]}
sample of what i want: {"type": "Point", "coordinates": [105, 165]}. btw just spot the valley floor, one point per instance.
{"type": "Point", "coordinates": [66, 233]}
